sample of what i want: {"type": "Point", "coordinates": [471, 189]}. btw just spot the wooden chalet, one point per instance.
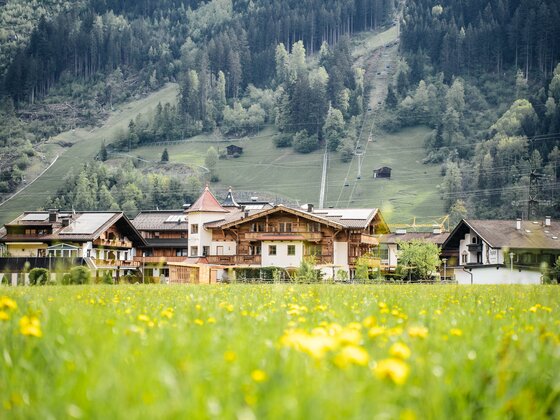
{"type": "Point", "coordinates": [104, 241]}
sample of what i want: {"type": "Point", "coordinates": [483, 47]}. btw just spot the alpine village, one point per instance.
{"type": "Point", "coordinates": [279, 209]}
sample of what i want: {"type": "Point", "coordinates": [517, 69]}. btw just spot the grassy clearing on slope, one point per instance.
{"type": "Point", "coordinates": [279, 351]}
{"type": "Point", "coordinates": [86, 144]}
{"type": "Point", "coordinates": [410, 192]}
{"type": "Point", "coordinates": [261, 168]}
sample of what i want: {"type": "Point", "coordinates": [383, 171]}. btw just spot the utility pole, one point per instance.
{"type": "Point", "coordinates": [359, 155]}
{"type": "Point", "coordinates": [534, 188]}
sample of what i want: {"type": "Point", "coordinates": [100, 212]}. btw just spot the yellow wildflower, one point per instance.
{"type": "Point", "coordinates": [400, 351]}
{"type": "Point", "coordinates": [456, 332]}
{"type": "Point", "coordinates": [258, 375]}
{"type": "Point", "coordinates": [355, 355]}
{"type": "Point", "coordinates": [167, 313]}
{"type": "Point", "coordinates": [4, 316]}
{"type": "Point", "coordinates": [370, 321]}
{"type": "Point", "coordinates": [30, 325]}
{"type": "Point", "coordinates": [348, 336]}
{"type": "Point", "coordinates": [394, 369]}
{"type": "Point", "coordinates": [143, 318]}
{"type": "Point", "coordinates": [199, 322]}
{"type": "Point", "coordinates": [229, 356]}
{"type": "Point", "coordinates": [7, 303]}
{"type": "Point", "coordinates": [418, 332]}
{"type": "Point", "coordinates": [376, 331]}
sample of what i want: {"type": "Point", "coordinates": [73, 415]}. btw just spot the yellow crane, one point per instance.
{"type": "Point", "coordinates": [441, 222]}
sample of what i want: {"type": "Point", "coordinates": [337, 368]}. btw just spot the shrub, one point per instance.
{"type": "Point", "coordinates": [304, 143]}
{"type": "Point", "coordinates": [283, 140]}
{"type": "Point", "coordinates": [79, 275]}
{"type": "Point", "coordinates": [38, 276]}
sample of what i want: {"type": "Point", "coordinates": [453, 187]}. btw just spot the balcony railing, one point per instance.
{"type": "Point", "coordinates": [116, 263]}
{"type": "Point", "coordinates": [114, 243]}
{"type": "Point", "coordinates": [474, 247]}
{"type": "Point", "coordinates": [279, 236]}
{"type": "Point", "coordinates": [234, 259]}
{"type": "Point", "coordinates": [157, 260]}
{"type": "Point", "coordinates": [321, 259]}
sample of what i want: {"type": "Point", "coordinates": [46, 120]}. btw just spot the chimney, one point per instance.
{"type": "Point", "coordinates": [547, 221]}
{"type": "Point", "coordinates": [65, 220]}
{"type": "Point", "coordinates": [246, 213]}
{"type": "Point", "coordinates": [254, 198]}
{"type": "Point", "coordinates": [310, 208]}
{"type": "Point", "coordinates": [186, 206]}
{"type": "Point", "coordinates": [53, 215]}
{"type": "Point", "coordinates": [518, 224]}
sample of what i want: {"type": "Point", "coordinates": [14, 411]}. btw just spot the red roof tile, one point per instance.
{"type": "Point", "coordinates": [207, 203]}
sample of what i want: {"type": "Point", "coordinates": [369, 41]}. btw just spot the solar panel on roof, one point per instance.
{"type": "Point", "coordinates": [87, 223]}
{"type": "Point", "coordinates": [35, 217]}
{"type": "Point", "coordinates": [175, 218]}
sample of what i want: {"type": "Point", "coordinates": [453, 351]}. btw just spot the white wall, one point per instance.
{"type": "Point", "coordinates": [204, 236]}
{"type": "Point", "coordinates": [229, 247]}
{"type": "Point", "coordinates": [340, 256]}
{"type": "Point", "coordinates": [281, 259]}
{"type": "Point", "coordinates": [503, 275]}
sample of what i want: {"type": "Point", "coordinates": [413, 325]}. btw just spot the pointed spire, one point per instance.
{"type": "Point", "coordinates": [206, 203]}
{"type": "Point", "coordinates": [230, 201]}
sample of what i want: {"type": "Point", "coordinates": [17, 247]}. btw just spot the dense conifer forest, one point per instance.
{"type": "Point", "coordinates": [482, 74]}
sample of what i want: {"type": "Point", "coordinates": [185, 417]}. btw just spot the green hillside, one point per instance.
{"type": "Point", "coordinates": [86, 145]}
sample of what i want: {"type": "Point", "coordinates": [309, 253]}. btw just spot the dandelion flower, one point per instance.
{"type": "Point", "coordinates": [258, 375]}
{"type": "Point", "coordinates": [456, 332]}
{"type": "Point", "coordinates": [30, 325]}
{"type": "Point", "coordinates": [4, 316]}
{"type": "Point", "coordinates": [355, 355]}
{"type": "Point", "coordinates": [400, 351]}
{"type": "Point", "coordinates": [392, 369]}
{"type": "Point", "coordinates": [229, 356]}
{"type": "Point", "coordinates": [7, 303]}
{"type": "Point", "coordinates": [418, 332]}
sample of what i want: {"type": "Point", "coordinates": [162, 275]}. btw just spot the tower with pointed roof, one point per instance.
{"type": "Point", "coordinates": [205, 210]}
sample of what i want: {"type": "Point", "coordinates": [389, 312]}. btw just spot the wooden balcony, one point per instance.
{"type": "Point", "coordinates": [321, 259]}
{"type": "Point", "coordinates": [116, 263]}
{"type": "Point", "coordinates": [368, 239]}
{"type": "Point", "coordinates": [234, 259]}
{"type": "Point", "coordinates": [114, 243]}
{"type": "Point", "coordinates": [296, 235]}
{"type": "Point", "coordinates": [160, 259]}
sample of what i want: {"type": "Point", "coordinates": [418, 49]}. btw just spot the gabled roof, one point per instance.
{"type": "Point", "coordinates": [160, 220]}
{"type": "Point", "coordinates": [82, 226]}
{"type": "Point", "coordinates": [353, 218]}
{"type": "Point", "coordinates": [206, 203]}
{"type": "Point", "coordinates": [503, 234]}
{"type": "Point", "coordinates": [276, 209]}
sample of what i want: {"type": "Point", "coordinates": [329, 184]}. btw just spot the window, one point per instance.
{"type": "Point", "coordinates": [384, 251]}
{"type": "Point", "coordinates": [254, 248]}
{"type": "Point", "coordinates": [291, 250]}
{"type": "Point", "coordinates": [257, 227]}
{"type": "Point", "coordinates": [314, 227]}
{"type": "Point", "coordinates": [194, 228]}
{"type": "Point", "coordinates": [285, 227]}
{"type": "Point", "coordinates": [194, 251]}
{"type": "Point", "coordinates": [205, 250]}
{"type": "Point", "coordinates": [272, 250]}
{"type": "Point", "coordinates": [181, 252]}
{"type": "Point", "coordinates": [313, 249]}
{"type": "Point", "coordinates": [464, 257]}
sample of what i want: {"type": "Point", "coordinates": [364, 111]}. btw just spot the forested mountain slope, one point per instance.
{"type": "Point", "coordinates": [482, 74]}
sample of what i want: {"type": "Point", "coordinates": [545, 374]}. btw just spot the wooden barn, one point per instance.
{"type": "Point", "coordinates": [383, 172]}
{"type": "Point", "coordinates": [233, 150]}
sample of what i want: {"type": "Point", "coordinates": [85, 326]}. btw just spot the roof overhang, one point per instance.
{"type": "Point", "coordinates": [281, 208]}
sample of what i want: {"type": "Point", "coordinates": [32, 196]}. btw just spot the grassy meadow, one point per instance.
{"type": "Point", "coordinates": [280, 351]}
